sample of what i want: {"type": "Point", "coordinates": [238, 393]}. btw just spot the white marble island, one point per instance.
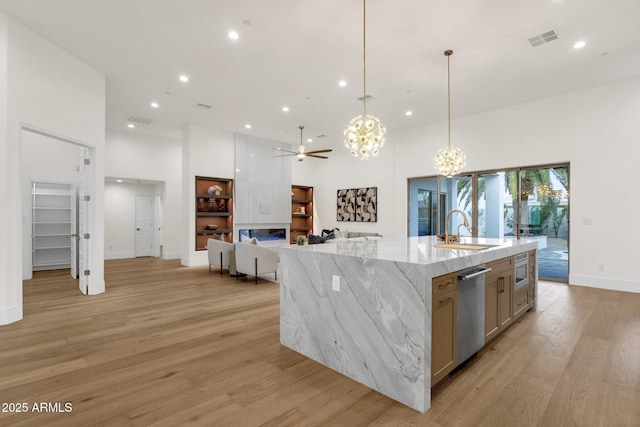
{"type": "Point", "coordinates": [363, 308]}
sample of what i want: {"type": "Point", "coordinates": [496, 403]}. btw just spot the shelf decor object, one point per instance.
{"type": "Point", "coordinates": [365, 134]}
{"type": "Point", "coordinates": [450, 160]}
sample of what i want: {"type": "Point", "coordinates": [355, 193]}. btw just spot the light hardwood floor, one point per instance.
{"type": "Point", "coordinates": [170, 345]}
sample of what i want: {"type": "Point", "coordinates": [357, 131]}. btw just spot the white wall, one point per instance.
{"type": "Point", "coordinates": [44, 159]}
{"type": "Point", "coordinates": [596, 130]}
{"type": "Point", "coordinates": [141, 157]}
{"type": "Point", "coordinates": [120, 216]}
{"type": "Point", "coordinates": [43, 86]}
{"type": "Point", "coordinates": [343, 170]}
{"type": "Point", "coordinates": [205, 152]}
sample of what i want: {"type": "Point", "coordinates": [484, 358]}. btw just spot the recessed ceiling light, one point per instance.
{"type": "Point", "coordinates": [154, 105]}
{"type": "Point", "coordinates": [579, 45]}
{"type": "Point", "coordinates": [131, 126]}
{"type": "Point", "coordinates": [247, 126]}
{"type": "Point", "coordinates": [184, 78]}
{"type": "Point", "coordinates": [408, 113]}
{"type": "Point", "coordinates": [342, 83]}
{"type": "Point", "coordinates": [233, 35]}
{"type": "Point", "coordinates": [309, 140]}
{"type": "Point", "coordinates": [285, 109]}
{"type": "Point", "coordinates": [118, 180]}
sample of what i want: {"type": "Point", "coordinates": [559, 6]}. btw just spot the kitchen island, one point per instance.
{"type": "Point", "coordinates": [364, 308]}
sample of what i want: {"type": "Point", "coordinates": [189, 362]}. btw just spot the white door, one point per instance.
{"type": "Point", "coordinates": [74, 231]}
{"type": "Point", "coordinates": [85, 176]}
{"type": "Point", "coordinates": [144, 226]}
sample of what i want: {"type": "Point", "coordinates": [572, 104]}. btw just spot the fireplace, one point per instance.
{"type": "Point", "coordinates": [264, 234]}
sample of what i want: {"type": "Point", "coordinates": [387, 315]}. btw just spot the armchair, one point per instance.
{"type": "Point", "coordinates": [220, 253]}
{"type": "Point", "coordinates": [253, 259]}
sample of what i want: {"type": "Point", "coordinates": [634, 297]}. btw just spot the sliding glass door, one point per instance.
{"type": "Point", "coordinates": [523, 203]}
{"type": "Point", "coordinates": [544, 215]}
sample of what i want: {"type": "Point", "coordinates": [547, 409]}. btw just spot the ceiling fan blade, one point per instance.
{"type": "Point", "coordinates": [288, 155]}
{"type": "Point", "coordinates": [316, 156]}
{"type": "Point", "coordinates": [326, 150]}
{"type": "Point", "coordinates": [286, 151]}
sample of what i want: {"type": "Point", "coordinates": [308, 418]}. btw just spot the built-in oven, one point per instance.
{"type": "Point", "coordinates": [522, 271]}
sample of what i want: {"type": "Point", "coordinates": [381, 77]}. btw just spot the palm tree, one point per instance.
{"type": "Point", "coordinates": [530, 181]}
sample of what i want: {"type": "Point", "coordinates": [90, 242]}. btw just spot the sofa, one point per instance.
{"type": "Point", "coordinates": [220, 253]}
{"type": "Point", "coordinates": [336, 234]}
{"type": "Point", "coordinates": [252, 259]}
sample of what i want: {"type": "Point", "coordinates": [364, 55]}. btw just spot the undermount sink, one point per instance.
{"type": "Point", "coordinates": [465, 246]}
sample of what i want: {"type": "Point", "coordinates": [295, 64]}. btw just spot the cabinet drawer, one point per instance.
{"type": "Point", "coordinates": [498, 266]}
{"type": "Point", "coordinates": [520, 301]}
{"type": "Point", "coordinates": [443, 284]}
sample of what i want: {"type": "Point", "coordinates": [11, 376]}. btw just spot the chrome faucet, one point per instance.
{"type": "Point", "coordinates": [466, 224]}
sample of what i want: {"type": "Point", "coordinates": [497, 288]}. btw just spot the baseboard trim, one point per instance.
{"type": "Point", "coordinates": [10, 315]}
{"type": "Point", "coordinates": [605, 283]}
{"type": "Point", "coordinates": [119, 255]}
{"type": "Point", "coordinates": [97, 288]}
{"type": "Point", "coordinates": [172, 255]}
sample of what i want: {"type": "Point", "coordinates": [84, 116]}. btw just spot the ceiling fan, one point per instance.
{"type": "Point", "coordinates": [301, 154]}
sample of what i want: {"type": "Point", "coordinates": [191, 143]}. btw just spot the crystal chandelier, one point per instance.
{"type": "Point", "coordinates": [365, 134]}
{"type": "Point", "coordinates": [450, 160]}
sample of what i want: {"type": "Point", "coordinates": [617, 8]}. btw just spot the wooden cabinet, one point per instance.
{"type": "Point", "coordinates": [444, 325]}
{"type": "Point", "coordinates": [498, 297]}
{"type": "Point", "coordinates": [533, 277]}
{"type": "Point", "coordinates": [53, 226]}
{"type": "Point", "coordinates": [214, 210]}
{"type": "Point", "coordinates": [301, 212]}
{"type": "Point", "coordinates": [524, 298]}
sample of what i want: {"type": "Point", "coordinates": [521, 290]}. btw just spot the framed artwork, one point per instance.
{"type": "Point", "coordinates": [366, 204]}
{"type": "Point", "coordinates": [357, 204]}
{"type": "Point", "coordinates": [346, 208]}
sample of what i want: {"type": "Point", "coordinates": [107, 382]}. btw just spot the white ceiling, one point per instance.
{"type": "Point", "coordinates": [294, 52]}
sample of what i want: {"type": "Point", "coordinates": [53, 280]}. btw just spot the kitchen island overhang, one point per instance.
{"type": "Point", "coordinates": [363, 308]}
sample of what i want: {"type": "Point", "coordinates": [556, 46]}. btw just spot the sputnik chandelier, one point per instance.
{"type": "Point", "coordinates": [365, 134]}
{"type": "Point", "coordinates": [450, 160]}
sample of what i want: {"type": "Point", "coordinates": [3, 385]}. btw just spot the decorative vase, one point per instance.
{"type": "Point", "coordinates": [211, 190]}
{"type": "Point", "coordinates": [213, 205]}
{"type": "Point", "coordinates": [202, 206]}
{"type": "Point", "coordinates": [300, 240]}
{"type": "Point", "coordinates": [217, 192]}
{"type": "Point", "coordinates": [222, 206]}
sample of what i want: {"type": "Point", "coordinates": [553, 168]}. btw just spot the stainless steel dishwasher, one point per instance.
{"type": "Point", "coordinates": [471, 300]}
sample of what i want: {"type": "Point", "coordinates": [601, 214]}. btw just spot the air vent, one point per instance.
{"type": "Point", "coordinates": [368, 97]}
{"type": "Point", "coordinates": [139, 120]}
{"type": "Point", "coordinates": [543, 38]}
{"type": "Point", "coordinates": [321, 136]}
{"type": "Point", "coordinates": [203, 106]}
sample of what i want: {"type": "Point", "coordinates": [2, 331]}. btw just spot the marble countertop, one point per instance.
{"type": "Point", "coordinates": [420, 250]}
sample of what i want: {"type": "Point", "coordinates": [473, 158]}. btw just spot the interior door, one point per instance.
{"type": "Point", "coordinates": [144, 226]}
{"type": "Point", "coordinates": [83, 218]}
{"type": "Point", "coordinates": [74, 231]}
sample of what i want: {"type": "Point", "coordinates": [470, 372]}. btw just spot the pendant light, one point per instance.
{"type": "Point", "coordinates": [365, 134]}
{"type": "Point", "coordinates": [450, 160]}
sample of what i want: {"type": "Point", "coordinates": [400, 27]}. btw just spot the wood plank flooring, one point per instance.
{"type": "Point", "coordinates": [172, 346]}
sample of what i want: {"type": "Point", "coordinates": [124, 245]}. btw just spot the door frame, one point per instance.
{"type": "Point", "coordinates": [91, 210]}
